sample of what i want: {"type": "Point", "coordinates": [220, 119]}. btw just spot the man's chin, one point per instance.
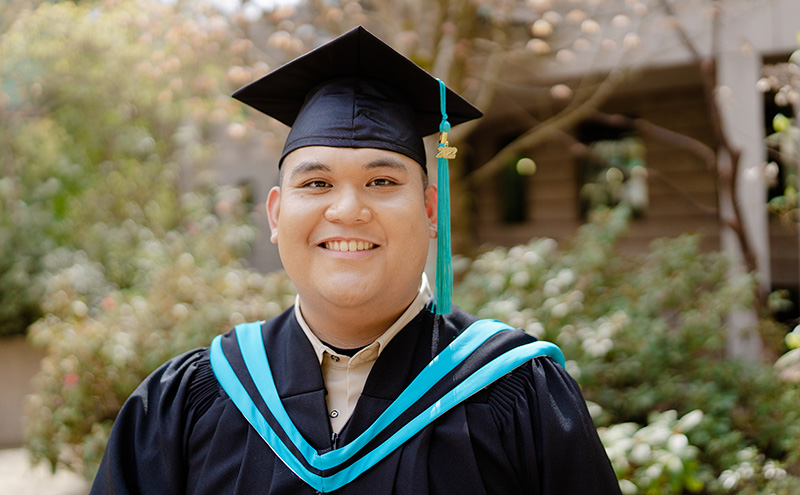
{"type": "Point", "coordinates": [343, 292]}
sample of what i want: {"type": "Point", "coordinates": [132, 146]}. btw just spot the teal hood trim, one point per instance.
{"type": "Point", "coordinates": [255, 357]}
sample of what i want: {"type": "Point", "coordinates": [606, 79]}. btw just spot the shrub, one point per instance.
{"type": "Point", "coordinates": [101, 110]}
{"type": "Point", "coordinates": [656, 458]}
{"type": "Point", "coordinates": [102, 343]}
{"type": "Point", "coordinates": [109, 233]}
{"type": "Point", "coordinates": [754, 475]}
{"type": "Point", "coordinates": [643, 334]}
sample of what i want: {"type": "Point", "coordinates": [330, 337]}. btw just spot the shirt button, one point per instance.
{"type": "Point", "coordinates": [335, 359]}
{"type": "Point", "coordinates": [334, 414]}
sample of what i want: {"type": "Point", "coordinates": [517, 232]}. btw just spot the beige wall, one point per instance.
{"type": "Point", "coordinates": [19, 362]}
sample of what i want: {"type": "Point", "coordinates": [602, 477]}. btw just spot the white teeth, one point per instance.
{"type": "Point", "coordinates": [349, 245]}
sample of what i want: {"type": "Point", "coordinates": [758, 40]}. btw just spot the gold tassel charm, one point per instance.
{"type": "Point", "coordinates": [445, 150]}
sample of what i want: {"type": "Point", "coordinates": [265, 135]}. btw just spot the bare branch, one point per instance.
{"type": "Point", "coordinates": [709, 210]}
{"type": "Point", "coordinates": [580, 149]}
{"type": "Point", "coordinates": [682, 34]}
{"type": "Point", "coordinates": [647, 128]}
{"type": "Point", "coordinates": [565, 119]}
{"type": "Point", "coordinates": [728, 177]}
{"type": "Point", "coordinates": [491, 72]}
{"type": "Point", "coordinates": [444, 55]}
{"type": "Point", "coordinates": [773, 151]}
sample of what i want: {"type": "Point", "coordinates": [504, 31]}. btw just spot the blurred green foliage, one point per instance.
{"type": "Point", "coordinates": [646, 334]}
{"type": "Point", "coordinates": [111, 235]}
{"type": "Point", "coordinates": [95, 361]}
{"type": "Point", "coordinates": [656, 458]}
{"type": "Point", "coordinates": [100, 113]}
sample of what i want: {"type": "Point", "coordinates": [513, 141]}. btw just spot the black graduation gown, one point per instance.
{"type": "Point", "coordinates": [529, 432]}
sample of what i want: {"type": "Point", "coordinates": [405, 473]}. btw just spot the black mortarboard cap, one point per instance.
{"type": "Point", "coordinates": [355, 92]}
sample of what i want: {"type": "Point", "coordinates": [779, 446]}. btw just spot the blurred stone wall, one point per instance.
{"type": "Point", "coordinates": [19, 362]}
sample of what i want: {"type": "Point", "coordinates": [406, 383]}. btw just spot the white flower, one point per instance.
{"type": "Point", "coordinates": [565, 277]}
{"type": "Point", "coordinates": [678, 443]}
{"type": "Point", "coordinates": [272, 309]}
{"type": "Point", "coordinates": [185, 284]}
{"type": "Point", "coordinates": [690, 420]}
{"type": "Point", "coordinates": [520, 279]}
{"type": "Point", "coordinates": [536, 329]}
{"type": "Point", "coordinates": [560, 310]}
{"type": "Point", "coordinates": [747, 454]}
{"type": "Point", "coordinates": [729, 479]}
{"type": "Point", "coordinates": [185, 260]}
{"type": "Point", "coordinates": [654, 471]}
{"type": "Point", "coordinates": [180, 311]}
{"type": "Point", "coordinates": [79, 308]}
{"type": "Point", "coordinates": [640, 453]}
{"type": "Point", "coordinates": [674, 464]}
{"type": "Point", "coordinates": [551, 288]}
{"type": "Point", "coordinates": [573, 369]}
{"type": "Point", "coordinates": [747, 471]}
{"type": "Point", "coordinates": [515, 319]}
{"type": "Point", "coordinates": [547, 246]}
{"type": "Point", "coordinates": [627, 487]}
{"type": "Point", "coordinates": [532, 258]}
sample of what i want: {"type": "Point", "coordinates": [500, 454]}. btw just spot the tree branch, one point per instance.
{"type": "Point", "coordinates": [728, 177]}
{"type": "Point", "coordinates": [580, 149]}
{"type": "Point", "coordinates": [565, 119]}
{"type": "Point", "coordinates": [682, 34]}
{"type": "Point", "coordinates": [667, 136]}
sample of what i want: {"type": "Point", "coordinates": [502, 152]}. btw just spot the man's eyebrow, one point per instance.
{"type": "Point", "coordinates": [309, 166]}
{"type": "Point", "coordinates": [386, 163]}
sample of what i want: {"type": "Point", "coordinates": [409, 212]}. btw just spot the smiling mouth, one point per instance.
{"type": "Point", "coordinates": [346, 246]}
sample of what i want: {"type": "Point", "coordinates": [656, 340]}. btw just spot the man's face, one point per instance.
{"type": "Point", "coordinates": [352, 226]}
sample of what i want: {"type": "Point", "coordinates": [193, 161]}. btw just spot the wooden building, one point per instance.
{"type": "Point", "coordinates": [679, 192]}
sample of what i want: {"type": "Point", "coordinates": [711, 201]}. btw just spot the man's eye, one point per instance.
{"type": "Point", "coordinates": [315, 184]}
{"type": "Point", "coordinates": [382, 182]}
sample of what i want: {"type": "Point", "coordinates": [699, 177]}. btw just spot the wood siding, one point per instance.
{"type": "Point", "coordinates": [677, 181]}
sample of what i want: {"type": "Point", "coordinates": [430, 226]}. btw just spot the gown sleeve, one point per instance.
{"type": "Point", "coordinates": [145, 453]}
{"type": "Point", "coordinates": [547, 439]}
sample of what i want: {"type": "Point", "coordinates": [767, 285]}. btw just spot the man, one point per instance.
{"type": "Point", "coordinates": [369, 384]}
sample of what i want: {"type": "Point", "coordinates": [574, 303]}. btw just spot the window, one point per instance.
{"type": "Point", "coordinates": [514, 189]}
{"type": "Point", "coordinates": [613, 172]}
{"type": "Point", "coordinates": [782, 138]}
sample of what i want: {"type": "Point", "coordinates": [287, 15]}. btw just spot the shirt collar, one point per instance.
{"type": "Point", "coordinates": [423, 296]}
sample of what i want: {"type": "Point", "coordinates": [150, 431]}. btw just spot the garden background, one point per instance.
{"type": "Point", "coordinates": [126, 236]}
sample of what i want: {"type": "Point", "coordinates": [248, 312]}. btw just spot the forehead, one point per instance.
{"type": "Point", "coordinates": [336, 160]}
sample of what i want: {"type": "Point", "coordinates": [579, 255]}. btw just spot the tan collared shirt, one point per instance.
{"type": "Point", "coordinates": [345, 376]}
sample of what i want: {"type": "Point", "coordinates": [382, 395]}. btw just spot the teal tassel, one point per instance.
{"type": "Point", "coordinates": [444, 263]}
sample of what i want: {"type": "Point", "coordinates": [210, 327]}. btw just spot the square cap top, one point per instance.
{"type": "Point", "coordinates": [356, 91]}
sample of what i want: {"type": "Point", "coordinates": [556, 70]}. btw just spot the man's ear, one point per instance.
{"type": "Point", "coordinates": [431, 206]}
{"type": "Point", "coordinates": [273, 211]}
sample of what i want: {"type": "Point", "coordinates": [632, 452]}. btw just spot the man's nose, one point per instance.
{"type": "Point", "coordinates": [348, 207]}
